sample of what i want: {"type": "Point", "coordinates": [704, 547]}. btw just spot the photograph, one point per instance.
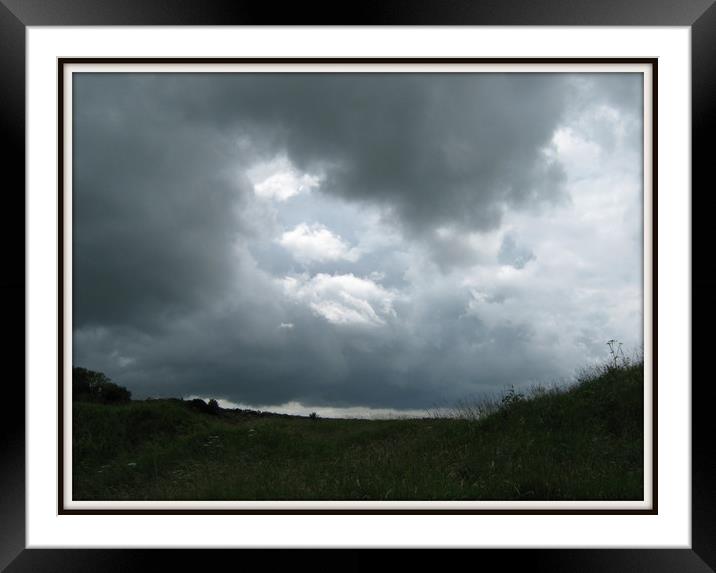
{"type": "Point", "coordinates": [368, 283]}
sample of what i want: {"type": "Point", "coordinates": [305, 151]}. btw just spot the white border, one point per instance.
{"type": "Point", "coordinates": [670, 528]}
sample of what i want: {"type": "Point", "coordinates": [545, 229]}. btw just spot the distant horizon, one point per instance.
{"type": "Point", "coordinates": [372, 242]}
{"type": "Point", "coordinates": [297, 408]}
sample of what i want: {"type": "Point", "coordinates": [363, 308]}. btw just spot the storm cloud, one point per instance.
{"type": "Point", "coordinates": [353, 240]}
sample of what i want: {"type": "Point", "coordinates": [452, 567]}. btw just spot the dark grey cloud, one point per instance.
{"type": "Point", "coordinates": [452, 148]}
{"type": "Point", "coordinates": [179, 273]}
{"type": "Point", "coordinates": [154, 196]}
{"type": "Point", "coordinates": [152, 217]}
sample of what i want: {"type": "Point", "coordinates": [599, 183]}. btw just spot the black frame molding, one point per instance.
{"type": "Point", "coordinates": [16, 15]}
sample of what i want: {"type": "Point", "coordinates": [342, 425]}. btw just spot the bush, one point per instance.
{"type": "Point", "coordinates": [211, 408]}
{"type": "Point", "coordinates": [91, 386]}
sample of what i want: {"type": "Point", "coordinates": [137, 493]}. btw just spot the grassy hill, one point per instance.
{"type": "Point", "coordinates": [580, 443]}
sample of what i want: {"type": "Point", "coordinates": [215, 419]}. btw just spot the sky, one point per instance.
{"type": "Point", "coordinates": [354, 242]}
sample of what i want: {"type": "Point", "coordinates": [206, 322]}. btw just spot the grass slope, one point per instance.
{"type": "Point", "coordinates": [582, 443]}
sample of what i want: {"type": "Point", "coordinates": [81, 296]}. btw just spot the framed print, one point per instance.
{"type": "Point", "coordinates": [302, 226]}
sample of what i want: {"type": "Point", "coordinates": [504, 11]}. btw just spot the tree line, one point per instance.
{"type": "Point", "coordinates": [91, 386]}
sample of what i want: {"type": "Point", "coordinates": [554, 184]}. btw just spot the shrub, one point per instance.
{"type": "Point", "coordinates": [211, 408]}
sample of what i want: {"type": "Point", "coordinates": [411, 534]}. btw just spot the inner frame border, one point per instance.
{"type": "Point", "coordinates": [61, 62]}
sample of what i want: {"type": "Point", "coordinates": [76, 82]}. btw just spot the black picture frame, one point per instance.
{"type": "Point", "coordinates": [16, 15]}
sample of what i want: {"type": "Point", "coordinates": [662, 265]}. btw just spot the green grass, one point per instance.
{"type": "Point", "coordinates": [584, 442]}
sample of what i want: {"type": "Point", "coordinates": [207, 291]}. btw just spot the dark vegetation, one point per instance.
{"type": "Point", "coordinates": [90, 386]}
{"type": "Point", "coordinates": [580, 442]}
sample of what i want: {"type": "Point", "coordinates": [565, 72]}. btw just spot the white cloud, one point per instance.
{"type": "Point", "coordinates": [584, 285]}
{"type": "Point", "coordinates": [280, 180]}
{"type": "Point", "coordinates": [342, 299]}
{"type": "Point", "coordinates": [573, 148]}
{"type": "Point", "coordinates": [316, 243]}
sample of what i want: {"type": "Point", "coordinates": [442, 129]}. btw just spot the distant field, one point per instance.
{"type": "Point", "coordinates": [583, 443]}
